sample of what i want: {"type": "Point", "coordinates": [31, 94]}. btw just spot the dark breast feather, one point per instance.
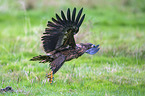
{"type": "Point", "coordinates": [60, 32]}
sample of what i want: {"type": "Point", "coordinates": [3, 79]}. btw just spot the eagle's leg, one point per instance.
{"type": "Point", "coordinates": [55, 66]}
{"type": "Point", "coordinates": [50, 77]}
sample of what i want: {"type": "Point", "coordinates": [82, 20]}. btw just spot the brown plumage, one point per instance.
{"type": "Point", "coordinates": [59, 43]}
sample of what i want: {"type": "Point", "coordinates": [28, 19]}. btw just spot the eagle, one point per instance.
{"type": "Point", "coordinates": [59, 43]}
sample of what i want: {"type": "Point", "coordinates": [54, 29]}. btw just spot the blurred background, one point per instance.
{"type": "Point", "coordinates": [117, 25]}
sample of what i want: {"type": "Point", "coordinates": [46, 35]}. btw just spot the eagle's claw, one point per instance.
{"type": "Point", "coordinates": [50, 77]}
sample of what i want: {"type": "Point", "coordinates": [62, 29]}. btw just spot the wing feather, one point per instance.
{"type": "Point", "coordinates": [63, 16]}
{"type": "Point", "coordinates": [60, 32]}
{"type": "Point", "coordinates": [80, 22]}
{"type": "Point", "coordinates": [79, 15]}
{"type": "Point", "coordinates": [68, 15]}
{"type": "Point", "coordinates": [58, 19]}
{"type": "Point", "coordinates": [73, 15]}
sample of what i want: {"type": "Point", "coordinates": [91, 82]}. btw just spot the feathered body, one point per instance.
{"type": "Point", "coordinates": [66, 54]}
{"type": "Point", "coordinates": [59, 43]}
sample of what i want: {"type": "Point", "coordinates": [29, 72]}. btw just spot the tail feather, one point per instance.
{"type": "Point", "coordinates": [42, 58]}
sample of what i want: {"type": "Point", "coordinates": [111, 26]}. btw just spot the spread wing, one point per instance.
{"type": "Point", "coordinates": [60, 32]}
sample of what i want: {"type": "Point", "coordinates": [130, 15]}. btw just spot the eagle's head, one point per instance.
{"type": "Point", "coordinates": [90, 48]}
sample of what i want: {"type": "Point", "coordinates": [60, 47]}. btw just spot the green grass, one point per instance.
{"type": "Point", "coordinates": [118, 69]}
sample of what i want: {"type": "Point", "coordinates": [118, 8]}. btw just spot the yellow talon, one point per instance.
{"type": "Point", "coordinates": [50, 76]}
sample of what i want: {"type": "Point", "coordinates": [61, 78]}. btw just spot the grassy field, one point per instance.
{"type": "Point", "coordinates": [118, 69]}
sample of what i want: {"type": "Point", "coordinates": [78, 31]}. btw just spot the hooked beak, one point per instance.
{"type": "Point", "coordinates": [93, 50]}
